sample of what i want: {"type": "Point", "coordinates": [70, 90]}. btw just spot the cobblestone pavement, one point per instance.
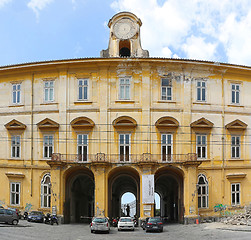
{"type": "Point", "coordinates": [27, 231]}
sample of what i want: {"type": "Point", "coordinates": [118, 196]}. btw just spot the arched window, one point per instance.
{"type": "Point", "coordinates": [202, 191]}
{"type": "Point", "coordinates": [46, 191]}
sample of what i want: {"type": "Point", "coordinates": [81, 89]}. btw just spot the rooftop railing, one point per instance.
{"type": "Point", "coordinates": [124, 158]}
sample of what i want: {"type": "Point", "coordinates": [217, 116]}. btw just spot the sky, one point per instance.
{"type": "Point", "coordinates": [40, 30]}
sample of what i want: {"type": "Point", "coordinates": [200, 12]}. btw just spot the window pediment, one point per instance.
{"type": "Point", "coordinates": [14, 175]}
{"type": "Point", "coordinates": [82, 122]}
{"type": "Point", "coordinates": [202, 123]}
{"type": "Point", "coordinates": [236, 124]}
{"type": "Point", "coordinates": [124, 121]}
{"type": "Point", "coordinates": [167, 122]}
{"type": "Point", "coordinates": [47, 124]}
{"type": "Point", "coordinates": [236, 175]}
{"type": "Point", "coordinates": [15, 125]}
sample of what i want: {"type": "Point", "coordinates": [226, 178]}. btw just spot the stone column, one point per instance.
{"type": "Point", "coordinates": [56, 196]}
{"type": "Point", "coordinates": [190, 193]}
{"type": "Point", "coordinates": [101, 190]}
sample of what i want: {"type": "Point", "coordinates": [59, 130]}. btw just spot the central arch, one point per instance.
{"type": "Point", "coordinates": [122, 180]}
{"type": "Point", "coordinates": [79, 197]}
{"type": "Point", "coordinates": [169, 186]}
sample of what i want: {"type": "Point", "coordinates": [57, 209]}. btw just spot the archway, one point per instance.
{"type": "Point", "coordinates": [79, 197]}
{"type": "Point", "coordinates": [157, 204]}
{"type": "Point", "coordinates": [128, 204]}
{"type": "Point", "coordinates": [169, 186]}
{"type": "Point", "coordinates": [123, 180]}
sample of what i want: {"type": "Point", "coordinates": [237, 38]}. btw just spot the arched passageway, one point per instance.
{"type": "Point", "coordinates": [79, 198]}
{"type": "Point", "coordinates": [169, 186]}
{"type": "Point", "coordinates": [122, 180]}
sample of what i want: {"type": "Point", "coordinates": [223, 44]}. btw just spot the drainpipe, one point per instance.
{"type": "Point", "coordinates": [223, 138]}
{"type": "Point", "coordinates": [32, 137]}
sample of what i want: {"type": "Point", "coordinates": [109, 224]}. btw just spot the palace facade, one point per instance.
{"type": "Point", "coordinates": [77, 134]}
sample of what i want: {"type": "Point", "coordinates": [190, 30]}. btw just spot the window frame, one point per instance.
{"type": "Point", "coordinates": [47, 195]}
{"type": "Point", "coordinates": [235, 146]}
{"type": "Point", "coordinates": [235, 193]}
{"type": "Point", "coordinates": [83, 157]}
{"type": "Point", "coordinates": [199, 89]}
{"type": "Point", "coordinates": [167, 145]}
{"type": "Point", "coordinates": [82, 88]}
{"type": "Point", "coordinates": [17, 92]}
{"type": "Point", "coordinates": [15, 193]}
{"type": "Point", "coordinates": [202, 195]}
{"type": "Point", "coordinates": [235, 92]}
{"type": "Point", "coordinates": [201, 146]}
{"type": "Point", "coordinates": [16, 147]}
{"type": "Point", "coordinates": [124, 85]}
{"type": "Point", "coordinates": [125, 157]}
{"type": "Point", "coordinates": [48, 145]}
{"type": "Point", "coordinates": [166, 96]}
{"type": "Point", "coordinates": [49, 88]}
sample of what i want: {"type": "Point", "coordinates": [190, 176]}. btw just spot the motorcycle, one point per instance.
{"type": "Point", "coordinates": [50, 219]}
{"type": "Point", "coordinates": [47, 219]}
{"type": "Point", "coordinates": [54, 219]}
{"type": "Point", "coordinates": [114, 222]}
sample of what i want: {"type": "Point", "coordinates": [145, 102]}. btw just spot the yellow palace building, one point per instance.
{"type": "Point", "coordinates": [78, 134]}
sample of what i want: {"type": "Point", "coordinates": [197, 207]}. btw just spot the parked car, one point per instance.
{"type": "Point", "coordinates": [8, 216]}
{"type": "Point", "coordinates": [35, 216]}
{"type": "Point", "coordinates": [17, 212]}
{"type": "Point", "coordinates": [100, 224]}
{"type": "Point", "coordinates": [126, 223]}
{"type": "Point", "coordinates": [154, 224]}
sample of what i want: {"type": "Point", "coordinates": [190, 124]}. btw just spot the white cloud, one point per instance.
{"type": "Point", "coordinates": [38, 5]}
{"type": "Point", "coordinates": [4, 2]}
{"type": "Point", "coordinates": [200, 29]}
{"type": "Point", "coordinates": [198, 48]}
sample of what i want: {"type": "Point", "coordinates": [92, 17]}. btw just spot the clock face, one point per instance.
{"type": "Point", "coordinates": [124, 29]}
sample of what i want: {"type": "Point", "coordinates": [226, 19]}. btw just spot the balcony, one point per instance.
{"type": "Point", "coordinates": [124, 159]}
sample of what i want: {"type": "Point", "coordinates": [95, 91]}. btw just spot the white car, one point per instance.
{"type": "Point", "coordinates": [100, 224]}
{"type": "Point", "coordinates": [126, 223]}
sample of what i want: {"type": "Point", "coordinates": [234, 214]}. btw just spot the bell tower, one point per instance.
{"type": "Point", "coordinates": [124, 40]}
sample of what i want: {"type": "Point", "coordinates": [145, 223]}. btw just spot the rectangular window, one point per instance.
{"type": "Point", "coordinates": [166, 147]}
{"type": "Point", "coordinates": [124, 89]}
{"type": "Point", "coordinates": [82, 146]}
{"type": "Point", "coordinates": [201, 91]}
{"type": "Point", "coordinates": [124, 147]}
{"type": "Point", "coordinates": [48, 146]}
{"type": "Point", "coordinates": [15, 193]}
{"type": "Point", "coordinates": [235, 193]}
{"type": "Point", "coordinates": [235, 147]}
{"type": "Point", "coordinates": [235, 93]}
{"type": "Point", "coordinates": [201, 146]}
{"type": "Point", "coordinates": [82, 89]}
{"type": "Point", "coordinates": [16, 93]}
{"type": "Point", "coordinates": [15, 146]}
{"type": "Point", "coordinates": [166, 89]}
{"type": "Point", "coordinates": [49, 91]}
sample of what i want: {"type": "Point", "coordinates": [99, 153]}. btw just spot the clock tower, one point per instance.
{"type": "Point", "coordinates": [124, 38]}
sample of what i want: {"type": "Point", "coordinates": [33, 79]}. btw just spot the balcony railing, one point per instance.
{"type": "Point", "coordinates": [124, 159]}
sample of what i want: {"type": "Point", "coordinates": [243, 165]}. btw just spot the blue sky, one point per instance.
{"type": "Point", "coordinates": [37, 30]}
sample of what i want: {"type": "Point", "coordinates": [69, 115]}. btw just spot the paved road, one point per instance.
{"type": "Point", "coordinates": [30, 231]}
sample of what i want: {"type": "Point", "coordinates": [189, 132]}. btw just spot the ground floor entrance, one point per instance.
{"type": "Point", "coordinates": [79, 198]}
{"type": "Point", "coordinates": [99, 190]}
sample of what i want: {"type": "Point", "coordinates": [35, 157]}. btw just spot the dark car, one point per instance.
{"type": "Point", "coordinates": [36, 216]}
{"type": "Point", "coordinates": [17, 211]}
{"type": "Point", "coordinates": [8, 216]}
{"type": "Point", "coordinates": [154, 224]}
